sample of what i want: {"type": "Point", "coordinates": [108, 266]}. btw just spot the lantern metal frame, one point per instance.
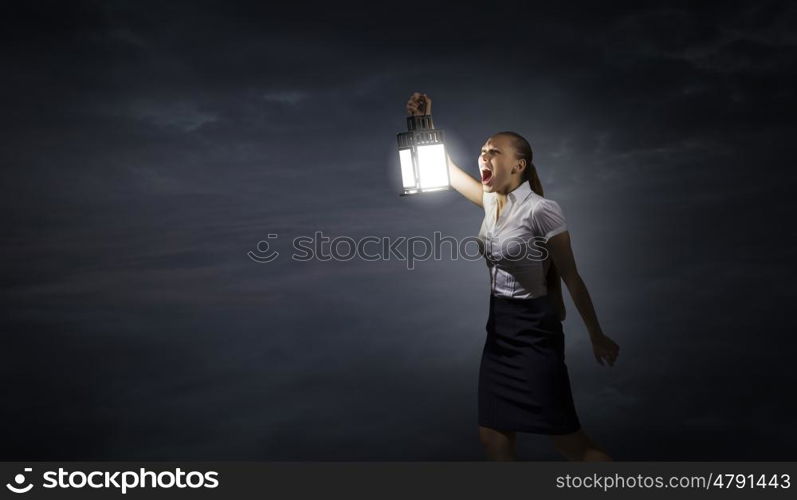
{"type": "Point", "coordinates": [421, 132]}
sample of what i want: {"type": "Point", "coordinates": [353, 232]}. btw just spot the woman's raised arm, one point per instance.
{"type": "Point", "coordinates": [467, 186]}
{"type": "Point", "coordinates": [421, 104]}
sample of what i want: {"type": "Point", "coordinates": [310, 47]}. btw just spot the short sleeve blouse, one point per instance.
{"type": "Point", "coordinates": [548, 217]}
{"type": "Point", "coordinates": [516, 271]}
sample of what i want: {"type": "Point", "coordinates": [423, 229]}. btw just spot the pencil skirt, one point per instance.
{"type": "Point", "coordinates": [524, 384]}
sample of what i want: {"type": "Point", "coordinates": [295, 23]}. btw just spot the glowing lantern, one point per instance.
{"type": "Point", "coordinates": [423, 157]}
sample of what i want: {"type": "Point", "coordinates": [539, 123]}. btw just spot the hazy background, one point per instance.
{"type": "Point", "coordinates": [148, 146]}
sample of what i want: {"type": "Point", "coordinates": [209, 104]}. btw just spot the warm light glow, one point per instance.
{"type": "Point", "coordinates": [432, 166]}
{"type": "Point", "coordinates": [407, 174]}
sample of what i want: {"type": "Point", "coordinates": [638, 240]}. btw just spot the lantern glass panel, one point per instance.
{"type": "Point", "coordinates": [407, 172]}
{"type": "Point", "coordinates": [432, 166]}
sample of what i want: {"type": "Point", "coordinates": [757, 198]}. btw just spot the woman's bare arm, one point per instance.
{"type": "Point", "coordinates": [562, 255]}
{"type": "Point", "coordinates": [467, 186]}
{"type": "Point", "coordinates": [421, 104]}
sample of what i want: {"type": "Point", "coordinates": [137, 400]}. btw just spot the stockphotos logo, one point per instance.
{"type": "Point", "coordinates": [118, 480]}
{"type": "Point", "coordinates": [19, 479]}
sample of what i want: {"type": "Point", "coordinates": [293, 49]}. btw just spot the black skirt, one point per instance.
{"type": "Point", "coordinates": [523, 381]}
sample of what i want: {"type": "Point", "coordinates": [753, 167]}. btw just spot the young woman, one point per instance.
{"type": "Point", "coordinates": [524, 384]}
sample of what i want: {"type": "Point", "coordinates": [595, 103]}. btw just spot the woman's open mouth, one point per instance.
{"type": "Point", "coordinates": [487, 176]}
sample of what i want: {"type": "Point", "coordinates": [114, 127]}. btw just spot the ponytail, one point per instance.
{"type": "Point", "coordinates": [533, 178]}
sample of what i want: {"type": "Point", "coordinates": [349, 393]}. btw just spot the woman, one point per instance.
{"type": "Point", "coordinates": [523, 380]}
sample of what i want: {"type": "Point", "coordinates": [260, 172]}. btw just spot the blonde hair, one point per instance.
{"type": "Point", "coordinates": [523, 151]}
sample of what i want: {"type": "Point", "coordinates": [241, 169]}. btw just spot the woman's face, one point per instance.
{"type": "Point", "coordinates": [497, 161]}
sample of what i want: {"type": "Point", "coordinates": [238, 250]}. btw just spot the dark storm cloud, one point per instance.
{"type": "Point", "coordinates": [148, 147]}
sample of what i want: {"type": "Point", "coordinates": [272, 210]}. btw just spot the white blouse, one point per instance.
{"type": "Point", "coordinates": [514, 246]}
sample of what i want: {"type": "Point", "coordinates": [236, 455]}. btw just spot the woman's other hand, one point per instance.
{"type": "Point", "coordinates": [419, 104]}
{"type": "Point", "coordinates": [605, 348]}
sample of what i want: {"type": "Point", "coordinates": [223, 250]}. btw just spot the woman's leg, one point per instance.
{"type": "Point", "coordinates": [498, 445]}
{"type": "Point", "coordinates": [577, 446]}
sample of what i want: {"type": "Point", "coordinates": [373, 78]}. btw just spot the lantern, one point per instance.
{"type": "Point", "coordinates": [423, 157]}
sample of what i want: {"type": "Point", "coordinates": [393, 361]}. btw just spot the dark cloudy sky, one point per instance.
{"type": "Point", "coordinates": [148, 146]}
